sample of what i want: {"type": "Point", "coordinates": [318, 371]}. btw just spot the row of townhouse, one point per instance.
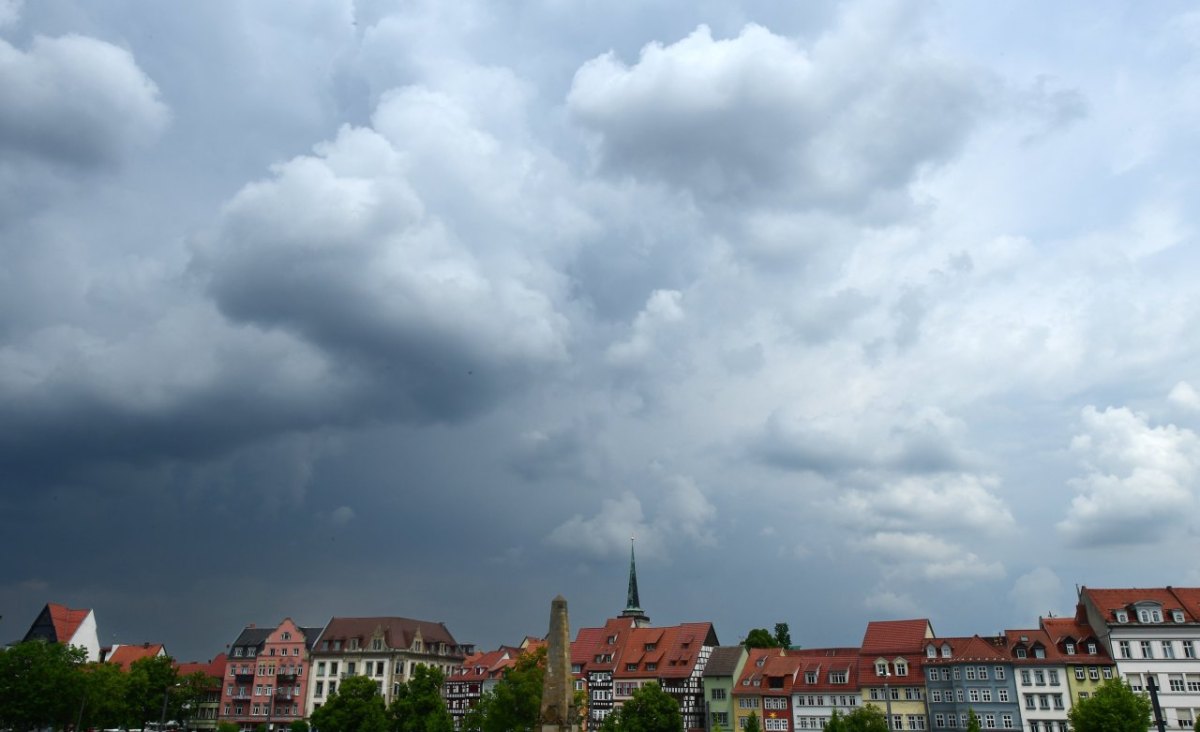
{"type": "Point", "coordinates": [277, 675]}
{"type": "Point", "coordinates": [1027, 679]}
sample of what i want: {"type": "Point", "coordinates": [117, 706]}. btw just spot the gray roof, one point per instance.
{"type": "Point", "coordinates": [253, 636]}
{"type": "Point", "coordinates": [723, 661]}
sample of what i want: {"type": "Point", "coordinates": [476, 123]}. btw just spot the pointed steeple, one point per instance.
{"type": "Point", "coordinates": [633, 605]}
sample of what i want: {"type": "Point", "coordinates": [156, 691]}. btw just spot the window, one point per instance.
{"type": "Point", "coordinates": [933, 674]}
{"type": "Point", "coordinates": [957, 673]}
{"type": "Point", "coordinates": [320, 688]}
{"type": "Point", "coordinates": [1091, 648]}
{"type": "Point", "coordinates": [945, 674]}
{"type": "Point", "coordinates": [1123, 649]}
{"type": "Point", "coordinates": [718, 694]}
{"type": "Point", "coordinates": [720, 719]}
{"type": "Point", "coordinates": [775, 725]}
{"type": "Point", "coordinates": [989, 721]}
{"type": "Point", "coordinates": [350, 667]}
{"type": "Point", "coordinates": [1039, 677]}
{"type": "Point", "coordinates": [999, 673]}
{"type": "Point", "coordinates": [1188, 650]}
{"type": "Point", "coordinates": [1177, 616]}
{"type": "Point", "coordinates": [901, 667]}
{"type": "Point", "coordinates": [810, 677]}
{"type": "Point", "coordinates": [985, 695]}
{"type": "Point", "coordinates": [974, 694]}
{"type": "Point", "coordinates": [970, 673]}
{"type": "Point", "coordinates": [930, 651]}
{"type": "Point", "coordinates": [895, 694]}
{"type": "Point", "coordinates": [774, 703]}
{"type": "Point", "coordinates": [1122, 616]}
{"type": "Point", "coordinates": [1058, 702]}
{"type": "Point", "coordinates": [1021, 653]}
{"type": "Point", "coordinates": [881, 668]}
{"type": "Point", "coordinates": [1144, 616]}
{"type": "Point", "coordinates": [377, 644]}
{"type": "Point", "coordinates": [1175, 682]}
{"type": "Point", "coordinates": [651, 666]}
{"type": "Point", "coordinates": [748, 702]}
{"type": "Point", "coordinates": [952, 721]}
{"type": "Point", "coordinates": [959, 694]}
{"type": "Point", "coordinates": [287, 635]}
{"type": "Point", "coordinates": [1039, 652]}
{"type": "Point", "coordinates": [1147, 650]}
{"type": "Point", "coordinates": [1053, 674]}
{"type": "Point", "coordinates": [837, 677]}
{"type": "Point", "coordinates": [1002, 695]}
{"type": "Point", "coordinates": [1168, 649]}
{"type": "Point", "coordinates": [935, 695]}
{"type": "Point", "coordinates": [1185, 718]}
{"type": "Point", "coordinates": [983, 673]}
{"type": "Point", "coordinates": [1043, 701]}
{"type": "Point", "coordinates": [1070, 648]}
{"type": "Point", "coordinates": [332, 687]}
{"type": "Point", "coordinates": [939, 721]}
{"type": "Point", "coordinates": [1030, 702]}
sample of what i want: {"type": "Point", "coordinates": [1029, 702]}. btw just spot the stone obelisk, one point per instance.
{"type": "Point", "coordinates": [557, 689]}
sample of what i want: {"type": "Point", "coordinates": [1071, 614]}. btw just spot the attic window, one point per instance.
{"type": "Point", "coordinates": [1021, 652]}
{"type": "Point", "coordinates": [810, 677]}
{"type": "Point", "coordinates": [901, 667]}
{"type": "Point", "coordinates": [287, 635]}
{"type": "Point", "coordinates": [881, 668]}
{"type": "Point", "coordinates": [835, 677]}
{"type": "Point", "coordinates": [1092, 648]}
{"type": "Point", "coordinates": [650, 646]}
{"type": "Point", "coordinates": [1122, 616]}
{"type": "Point", "coordinates": [1039, 652]}
{"type": "Point", "coordinates": [611, 639]}
{"type": "Point", "coordinates": [377, 644]}
{"type": "Point", "coordinates": [761, 662]}
{"type": "Point", "coordinates": [775, 682]}
{"type": "Point", "coordinates": [1177, 616]}
{"type": "Point", "coordinates": [930, 651]}
{"type": "Point", "coordinates": [631, 667]}
{"type": "Point", "coordinates": [1070, 648]}
{"type": "Point", "coordinates": [945, 650]}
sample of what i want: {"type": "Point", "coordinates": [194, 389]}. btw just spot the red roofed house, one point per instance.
{"type": "Point", "coordinates": [610, 663]}
{"type": "Point", "coordinates": [204, 717]}
{"type": "Point", "coordinates": [1153, 634]}
{"type": "Point", "coordinates": [266, 674]}
{"type": "Point", "coordinates": [827, 682]}
{"type": "Point", "coordinates": [61, 624]}
{"type": "Point", "coordinates": [890, 672]}
{"type": "Point", "coordinates": [765, 689]}
{"type": "Point", "coordinates": [125, 655]}
{"type": "Point", "coordinates": [479, 674]}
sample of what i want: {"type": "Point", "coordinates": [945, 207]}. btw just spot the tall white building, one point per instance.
{"type": "Point", "coordinates": [1153, 635]}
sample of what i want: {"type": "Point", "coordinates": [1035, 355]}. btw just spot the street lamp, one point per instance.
{"type": "Point", "coordinates": [887, 695]}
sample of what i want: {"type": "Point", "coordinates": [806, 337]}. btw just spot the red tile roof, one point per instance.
{"type": "Point", "coordinates": [967, 648]}
{"type": "Point", "coordinates": [66, 621]}
{"type": "Point", "coordinates": [214, 669]}
{"type": "Point", "coordinates": [1107, 601]}
{"type": "Point", "coordinates": [822, 662]}
{"type": "Point", "coordinates": [885, 637]}
{"type": "Point", "coordinates": [1060, 630]}
{"type": "Point", "coordinates": [124, 656]}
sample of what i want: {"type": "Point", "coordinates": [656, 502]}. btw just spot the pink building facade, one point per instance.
{"type": "Point", "coordinates": [266, 676]}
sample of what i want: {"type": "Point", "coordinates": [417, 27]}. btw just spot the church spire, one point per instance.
{"type": "Point", "coordinates": [633, 605]}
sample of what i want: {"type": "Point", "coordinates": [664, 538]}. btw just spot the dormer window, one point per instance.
{"type": "Point", "coordinates": [945, 650]}
{"type": "Point", "coordinates": [650, 647]}
{"type": "Point", "coordinates": [901, 667]}
{"type": "Point", "coordinates": [287, 635]}
{"type": "Point", "coordinates": [881, 668]}
{"type": "Point", "coordinates": [1122, 616]}
{"type": "Point", "coordinates": [1091, 648]}
{"type": "Point", "coordinates": [1177, 616]}
{"type": "Point", "coordinates": [337, 645]}
{"type": "Point", "coordinates": [377, 644]}
{"type": "Point", "coordinates": [611, 639]}
{"type": "Point", "coordinates": [810, 677]}
{"type": "Point", "coordinates": [761, 662]}
{"type": "Point", "coordinates": [1070, 648]}
{"type": "Point", "coordinates": [1039, 652]}
{"type": "Point", "coordinates": [354, 644]}
{"type": "Point", "coordinates": [1021, 652]}
{"type": "Point", "coordinates": [835, 677]}
{"type": "Point", "coordinates": [930, 652]}
{"type": "Point", "coordinates": [1156, 616]}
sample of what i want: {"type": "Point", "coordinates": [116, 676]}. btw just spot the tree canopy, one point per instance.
{"type": "Point", "coordinates": [868, 718]}
{"type": "Point", "coordinates": [650, 709]}
{"type": "Point", "coordinates": [41, 685]}
{"type": "Point", "coordinates": [1114, 707]}
{"type": "Point", "coordinates": [783, 636]}
{"type": "Point", "coordinates": [356, 706]}
{"type": "Point", "coordinates": [752, 724]}
{"type": "Point", "coordinates": [973, 724]}
{"type": "Point", "coordinates": [418, 705]}
{"type": "Point", "coordinates": [147, 687]}
{"type": "Point", "coordinates": [760, 638]}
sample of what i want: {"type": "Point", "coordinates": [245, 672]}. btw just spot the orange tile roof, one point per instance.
{"type": "Point", "coordinates": [124, 656]}
{"type": "Point", "coordinates": [66, 621]}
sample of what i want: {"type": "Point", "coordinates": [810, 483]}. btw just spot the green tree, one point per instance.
{"type": "Point", "coordinates": [973, 721]}
{"type": "Point", "coordinates": [783, 636]}
{"type": "Point", "coordinates": [418, 706]}
{"type": "Point", "coordinates": [650, 709]}
{"type": "Point", "coordinates": [1114, 707]}
{"type": "Point", "coordinates": [760, 638]}
{"type": "Point", "coordinates": [148, 686]}
{"type": "Point", "coordinates": [188, 694]}
{"type": "Point", "coordinates": [105, 702]}
{"type": "Point", "coordinates": [752, 724]}
{"type": "Point", "coordinates": [867, 718]}
{"type": "Point", "coordinates": [226, 727]}
{"type": "Point", "coordinates": [516, 702]}
{"type": "Point", "coordinates": [298, 726]}
{"type": "Point", "coordinates": [355, 707]}
{"type": "Point", "coordinates": [41, 685]}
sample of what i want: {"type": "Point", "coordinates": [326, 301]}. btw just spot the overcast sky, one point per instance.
{"type": "Point", "coordinates": [847, 311]}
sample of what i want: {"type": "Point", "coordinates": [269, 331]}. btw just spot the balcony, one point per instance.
{"type": "Point", "coordinates": [245, 673]}
{"type": "Point", "coordinates": [285, 695]}
{"type": "Point", "coordinates": [286, 675]}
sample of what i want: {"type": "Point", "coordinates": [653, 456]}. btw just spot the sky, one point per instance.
{"type": "Point", "coordinates": [847, 311]}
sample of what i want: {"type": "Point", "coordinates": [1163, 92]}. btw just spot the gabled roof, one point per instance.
{"type": "Point", "coordinates": [767, 666]}
{"type": "Point", "coordinates": [486, 665]}
{"type": "Point", "coordinates": [397, 632]}
{"type": "Point", "coordinates": [1059, 630]}
{"type": "Point", "coordinates": [214, 669]}
{"type": "Point", "coordinates": [593, 643]}
{"type": "Point", "coordinates": [884, 637]}
{"type": "Point", "coordinates": [820, 663]}
{"type": "Point", "coordinates": [124, 656]}
{"type": "Point", "coordinates": [58, 621]}
{"type": "Point", "coordinates": [723, 661]}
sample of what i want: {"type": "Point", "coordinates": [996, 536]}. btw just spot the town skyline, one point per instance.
{"type": "Point", "coordinates": [846, 310]}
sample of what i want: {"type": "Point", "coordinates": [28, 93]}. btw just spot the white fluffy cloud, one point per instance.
{"type": "Point", "coordinates": [75, 100]}
{"type": "Point", "coordinates": [764, 118]}
{"type": "Point", "coordinates": [1139, 485]}
{"type": "Point", "coordinates": [927, 557]}
{"type": "Point", "coordinates": [663, 308]}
